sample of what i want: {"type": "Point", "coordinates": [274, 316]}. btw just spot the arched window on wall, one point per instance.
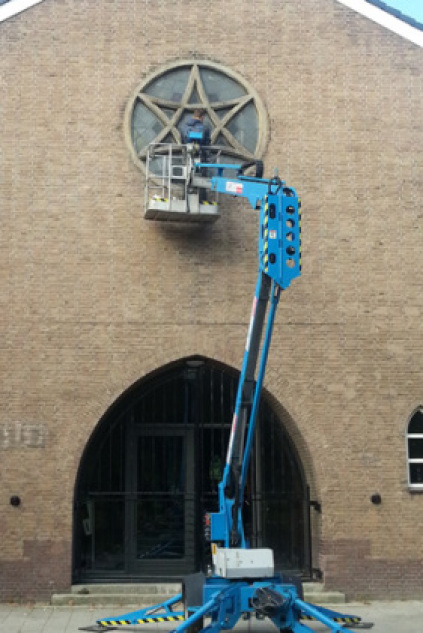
{"type": "Point", "coordinates": [415, 451]}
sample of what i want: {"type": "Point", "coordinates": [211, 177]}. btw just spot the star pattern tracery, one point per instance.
{"type": "Point", "coordinates": [224, 115]}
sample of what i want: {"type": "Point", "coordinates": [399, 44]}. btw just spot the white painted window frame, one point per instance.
{"type": "Point", "coordinates": [412, 436]}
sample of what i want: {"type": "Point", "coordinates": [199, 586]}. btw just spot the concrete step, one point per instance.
{"type": "Point", "coordinates": [165, 588]}
{"type": "Point", "coordinates": [144, 595]}
{"type": "Point", "coordinates": [107, 599]}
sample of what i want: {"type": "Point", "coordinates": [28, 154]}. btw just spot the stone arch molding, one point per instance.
{"type": "Point", "coordinates": [235, 112]}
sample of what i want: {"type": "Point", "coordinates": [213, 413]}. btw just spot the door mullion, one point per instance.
{"type": "Point", "coordinates": [130, 496]}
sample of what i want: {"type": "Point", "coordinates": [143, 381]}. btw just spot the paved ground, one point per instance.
{"type": "Point", "coordinates": [388, 617]}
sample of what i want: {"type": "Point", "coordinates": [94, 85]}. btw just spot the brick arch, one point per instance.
{"type": "Point", "coordinates": [177, 419]}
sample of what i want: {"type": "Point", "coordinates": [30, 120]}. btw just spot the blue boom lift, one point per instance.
{"type": "Point", "coordinates": [243, 582]}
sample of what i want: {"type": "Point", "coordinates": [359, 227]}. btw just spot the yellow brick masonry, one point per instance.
{"type": "Point", "coordinates": [93, 297]}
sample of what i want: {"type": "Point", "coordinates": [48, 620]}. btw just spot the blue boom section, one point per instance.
{"type": "Point", "coordinates": [282, 242]}
{"type": "Point", "coordinates": [280, 222]}
{"type": "Point", "coordinates": [226, 526]}
{"type": "Point", "coordinates": [279, 259]}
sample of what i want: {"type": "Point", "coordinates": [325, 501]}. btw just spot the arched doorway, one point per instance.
{"type": "Point", "coordinates": [151, 469]}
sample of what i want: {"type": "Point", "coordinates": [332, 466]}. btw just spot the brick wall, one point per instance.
{"type": "Point", "coordinates": [93, 297]}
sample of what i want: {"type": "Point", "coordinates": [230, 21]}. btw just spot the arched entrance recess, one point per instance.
{"type": "Point", "coordinates": [151, 469]}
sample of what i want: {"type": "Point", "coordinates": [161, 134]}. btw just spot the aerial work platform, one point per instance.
{"type": "Point", "coordinates": [173, 209]}
{"type": "Point", "coordinates": [242, 582]}
{"type": "Point", "coordinates": [176, 190]}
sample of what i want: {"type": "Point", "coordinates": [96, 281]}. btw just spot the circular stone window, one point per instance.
{"type": "Point", "coordinates": [235, 114]}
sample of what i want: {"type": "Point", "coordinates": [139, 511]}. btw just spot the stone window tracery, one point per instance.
{"type": "Point", "coordinates": [235, 114]}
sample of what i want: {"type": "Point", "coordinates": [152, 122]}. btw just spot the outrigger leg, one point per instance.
{"type": "Point", "coordinates": [161, 612]}
{"type": "Point", "coordinates": [232, 601]}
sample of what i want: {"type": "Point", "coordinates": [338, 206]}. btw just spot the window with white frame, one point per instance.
{"type": "Point", "coordinates": [415, 451]}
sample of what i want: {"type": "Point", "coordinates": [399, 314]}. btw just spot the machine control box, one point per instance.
{"type": "Point", "coordinates": [243, 563]}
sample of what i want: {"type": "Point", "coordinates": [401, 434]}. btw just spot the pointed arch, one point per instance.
{"type": "Point", "coordinates": [150, 471]}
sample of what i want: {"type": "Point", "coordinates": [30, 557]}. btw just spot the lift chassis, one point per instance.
{"type": "Point", "coordinates": [243, 583]}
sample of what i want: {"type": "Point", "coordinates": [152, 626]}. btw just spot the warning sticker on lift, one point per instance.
{"type": "Point", "coordinates": [273, 235]}
{"type": "Point", "coordinates": [234, 187]}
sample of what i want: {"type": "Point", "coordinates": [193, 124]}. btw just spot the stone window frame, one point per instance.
{"type": "Point", "coordinates": [413, 486]}
{"type": "Point", "coordinates": [171, 123]}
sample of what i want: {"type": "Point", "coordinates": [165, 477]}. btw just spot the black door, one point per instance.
{"type": "Point", "coordinates": [160, 509]}
{"type": "Point", "coordinates": [151, 470]}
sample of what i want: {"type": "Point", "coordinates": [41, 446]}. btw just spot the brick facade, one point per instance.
{"type": "Point", "coordinates": [93, 297]}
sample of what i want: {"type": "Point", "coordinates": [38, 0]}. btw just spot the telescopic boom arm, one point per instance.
{"type": "Point", "coordinates": [279, 263]}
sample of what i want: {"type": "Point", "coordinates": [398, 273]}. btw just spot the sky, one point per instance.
{"type": "Point", "coordinates": [412, 8]}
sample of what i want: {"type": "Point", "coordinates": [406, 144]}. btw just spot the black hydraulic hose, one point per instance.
{"type": "Point", "coordinates": [277, 182]}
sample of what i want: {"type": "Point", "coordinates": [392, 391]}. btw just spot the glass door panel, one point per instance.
{"type": "Point", "coordinates": [160, 516]}
{"type": "Point", "coordinates": [161, 527]}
